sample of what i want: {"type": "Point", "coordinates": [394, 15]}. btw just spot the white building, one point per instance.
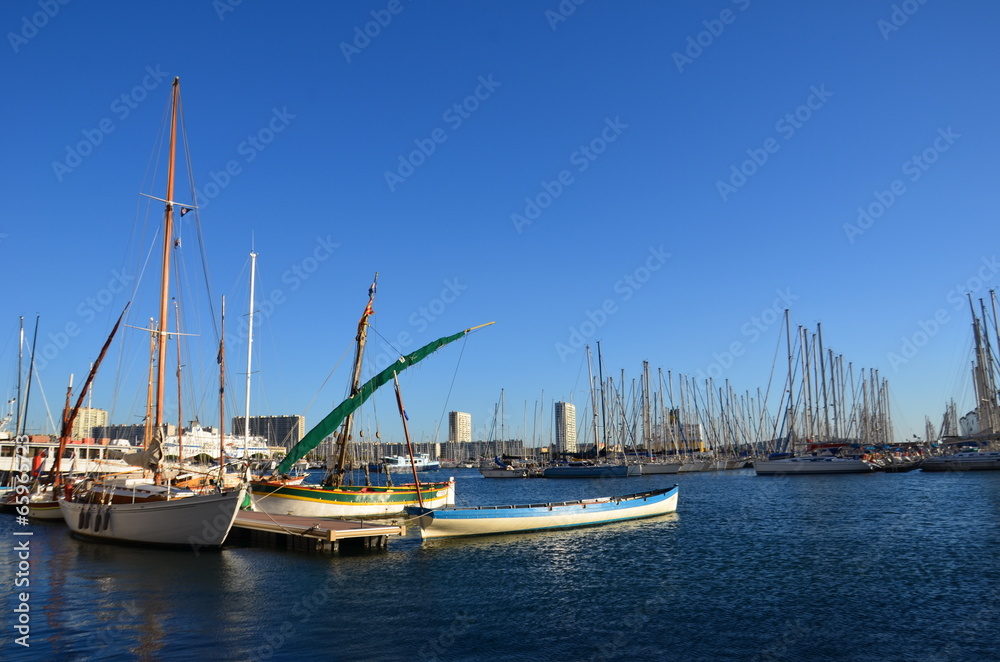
{"type": "Point", "coordinates": [86, 420]}
{"type": "Point", "coordinates": [565, 427]}
{"type": "Point", "coordinates": [459, 426]}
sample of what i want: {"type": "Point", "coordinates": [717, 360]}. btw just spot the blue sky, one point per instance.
{"type": "Point", "coordinates": [655, 176]}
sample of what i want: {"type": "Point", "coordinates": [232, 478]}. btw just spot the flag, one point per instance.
{"type": "Point", "coordinates": [185, 210]}
{"type": "Point", "coordinates": [72, 465]}
{"type": "Point", "coordinates": [405, 415]}
{"type": "Point", "coordinates": [371, 290]}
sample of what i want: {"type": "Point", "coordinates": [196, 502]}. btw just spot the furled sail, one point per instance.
{"type": "Point", "coordinates": [325, 427]}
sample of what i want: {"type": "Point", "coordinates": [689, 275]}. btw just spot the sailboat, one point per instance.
{"type": "Point", "coordinates": [978, 438]}
{"type": "Point", "coordinates": [333, 497]}
{"type": "Point", "coordinates": [135, 509]}
{"type": "Point", "coordinates": [823, 457]}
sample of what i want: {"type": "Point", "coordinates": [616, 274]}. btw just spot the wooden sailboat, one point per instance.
{"type": "Point", "coordinates": [134, 509]}
{"type": "Point", "coordinates": [335, 498]}
{"type": "Point", "coordinates": [485, 520]}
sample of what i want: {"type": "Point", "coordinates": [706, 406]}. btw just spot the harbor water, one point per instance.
{"type": "Point", "coordinates": [857, 567]}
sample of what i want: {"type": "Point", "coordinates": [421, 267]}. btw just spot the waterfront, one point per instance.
{"type": "Point", "coordinates": [868, 567]}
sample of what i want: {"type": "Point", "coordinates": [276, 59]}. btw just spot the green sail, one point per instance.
{"type": "Point", "coordinates": [325, 427]}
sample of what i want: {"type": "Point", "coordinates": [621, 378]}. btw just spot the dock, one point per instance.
{"type": "Point", "coordinates": [309, 534]}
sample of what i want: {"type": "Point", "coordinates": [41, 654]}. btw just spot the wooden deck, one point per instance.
{"type": "Point", "coordinates": [309, 533]}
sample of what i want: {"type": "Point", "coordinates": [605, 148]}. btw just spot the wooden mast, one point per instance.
{"type": "Point", "coordinates": [335, 477]}
{"type": "Point", "coordinates": [168, 232]}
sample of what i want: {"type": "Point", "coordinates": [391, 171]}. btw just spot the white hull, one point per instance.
{"type": "Point", "coordinates": [326, 503]}
{"type": "Point", "coordinates": [199, 520]}
{"type": "Point", "coordinates": [486, 520]}
{"type": "Point", "coordinates": [811, 465]}
{"type": "Point", "coordinates": [504, 473]}
{"type": "Point", "coordinates": [971, 461]}
{"type": "Point", "coordinates": [652, 468]}
{"type": "Point", "coordinates": [694, 466]}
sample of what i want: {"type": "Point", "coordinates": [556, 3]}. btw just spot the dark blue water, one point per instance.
{"type": "Point", "coordinates": [879, 567]}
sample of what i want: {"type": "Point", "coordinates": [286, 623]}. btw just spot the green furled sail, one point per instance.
{"type": "Point", "coordinates": [325, 427]}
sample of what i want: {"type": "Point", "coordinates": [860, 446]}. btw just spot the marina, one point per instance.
{"type": "Point", "coordinates": [500, 332]}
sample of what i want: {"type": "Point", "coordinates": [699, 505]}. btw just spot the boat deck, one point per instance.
{"type": "Point", "coordinates": [309, 533]}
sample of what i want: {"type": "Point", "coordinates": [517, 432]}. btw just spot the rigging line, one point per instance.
{"type": "Point", "coordinates": [197, 218]}
{"type": "Point", "coordinates": [451, 386]}
{"type": "Point", "coordinates": [323, 385]}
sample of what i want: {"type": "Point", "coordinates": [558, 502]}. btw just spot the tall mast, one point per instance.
{"type": "Point", "coordinates": [180, 413]}
{"type": "Point", "coordinates": [168, 232]}
{"type": "Point", "coordinates": [246, 413]}
{"type": "Point", "coordinates": [790, 416]}
{"type": "Point", "coordinates": [20, 359]}
{"type": "Point", "coordinates": [335, 477]}
{"type": "Point", "coordinates": [222, 393]}
{"type": "Point", "coordinates": [604, 413]}
{"type": "Point", "coordinates": [593, 399]}
{"type": "Point", "coordinates": [31, 370]}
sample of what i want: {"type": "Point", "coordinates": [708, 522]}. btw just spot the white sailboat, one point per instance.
{"type": "Point", "coordinates": [978, 435]}
{"type": "Point", "coordinates": [137, 510]}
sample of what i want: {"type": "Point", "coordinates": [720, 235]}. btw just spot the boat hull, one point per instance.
{"type": "Point", "coordinates": [488, 520]}
{"type": "Point", "coordinates": [199, 521]}
{"type": "Point", "coordinates": [811, 465]}
{"type": "Point", "coordinates": [375, 501]}
{"type": "Point", "coordinates": [656, 468]}
{"type": "Point", "coordinates": [587, 471]}
{"type": "Point", "coordinates": [504, 473]}
{"type": "Point", "coordinates": [972, 461]}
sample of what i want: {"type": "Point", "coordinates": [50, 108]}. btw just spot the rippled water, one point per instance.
{"type": "Point", "coordinates": [874, 567]}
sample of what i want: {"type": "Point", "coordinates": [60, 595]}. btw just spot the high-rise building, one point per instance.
{"type": "Point", "coordinates": [276, 430]}
{"type": "Point", "coordinates": [459, 426]}
{"type": "Point", "coordinates": [86, 420]}
{"type": "Point", "coordinates": [565, 427]}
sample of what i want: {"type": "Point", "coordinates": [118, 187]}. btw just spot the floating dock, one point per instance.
{"type": "Point", "coordinates": [310, 534]}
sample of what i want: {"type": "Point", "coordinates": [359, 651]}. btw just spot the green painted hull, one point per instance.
{"type": "Point", "coordinates": [352, 501]}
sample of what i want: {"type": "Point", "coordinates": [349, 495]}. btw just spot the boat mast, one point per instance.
{"type": "Point", "coordinates": [604, 419]}
{"type": "Point", "coordinates": [180, 413]}
{"type": "Point", "coordinates": [168, 231]}
{"type": "Point", "coordinates": [409, 446]}
{"type": "Point", "coordinates": [31, 370]}
{"type": "Point", "coordinates": [790, 415]}
{"type": "Point", "coordinates": [20, 369]}
{"type": "Point", "coordinates": [222, 393]}
{"type": "Point", "coordinates": [335, 477]}
{"type": "Point", "coordinates": [593, 399]}
{"type": "Point", "coordinates": [246, 413]}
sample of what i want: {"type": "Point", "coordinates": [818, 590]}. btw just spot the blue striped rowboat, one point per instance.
{"type": "Point", "coordinates": [485, 520]}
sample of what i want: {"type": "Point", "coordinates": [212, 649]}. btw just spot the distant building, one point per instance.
{"type": "Point", "coordinates": [276, 430]}
{"type": "Point", "coordinates": [565, 427]}
{"type": "Point", "coordinates": [86, 420]}
{"type": "Point", "coordinates": [133, 433]}
{"type": "Point", "coordinates": [459, 426]}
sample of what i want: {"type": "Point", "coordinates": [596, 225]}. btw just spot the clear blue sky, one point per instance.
{"type": "Point", "coordinates": [623, 122]}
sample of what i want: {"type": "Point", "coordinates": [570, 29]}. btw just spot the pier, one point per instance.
{"type": "Point", "coordinates": [309, 534]}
